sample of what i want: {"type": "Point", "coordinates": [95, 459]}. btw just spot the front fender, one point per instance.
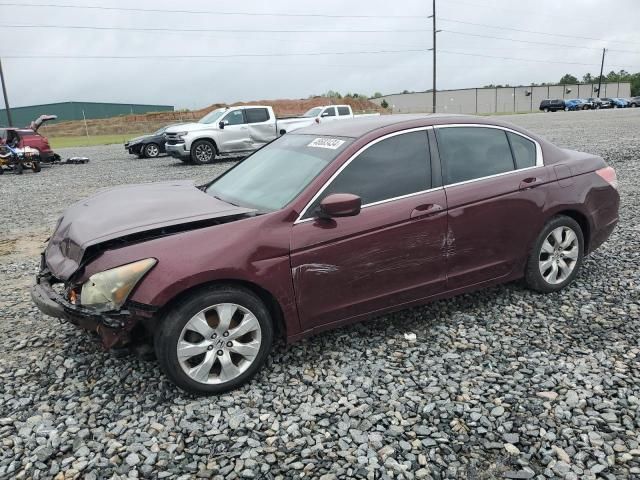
{"type": "Point", "coordinates": [210, 135]}
{"type": "Point", "coordinates": [213, 254]}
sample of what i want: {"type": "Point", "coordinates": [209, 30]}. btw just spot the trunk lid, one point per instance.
{"type": "Point", "coordinates": [127, 210]}
{"type": "Point", "coordinates": [37, 123]}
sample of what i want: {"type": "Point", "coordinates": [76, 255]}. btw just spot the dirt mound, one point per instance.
{"type": "Point", "coordinates": [134, 124]}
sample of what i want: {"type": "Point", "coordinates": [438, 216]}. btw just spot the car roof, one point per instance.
{"type": "Point", "coordinates": [358, 127]}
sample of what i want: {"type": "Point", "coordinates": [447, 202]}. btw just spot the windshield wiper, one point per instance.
{"type": "Point", "coordinates": [225, 201]}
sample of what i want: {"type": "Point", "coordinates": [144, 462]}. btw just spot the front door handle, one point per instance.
{"type": "Point", "coordinates": [426, 210]}
{"type": "Point", "coordinates": [529, 182]}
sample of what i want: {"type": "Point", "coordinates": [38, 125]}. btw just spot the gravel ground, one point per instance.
{"type": "Point", "coordinates": [502, 383]}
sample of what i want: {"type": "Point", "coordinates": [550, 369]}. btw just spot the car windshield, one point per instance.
{"type": "Point", "coordinates": [314, 112]}
{"type": "Point", "coordinates": [160, 132]}
{"type": "Point", "coordinates": [277, 173]}
{"type": "Point", "coordinates": [212, 117]}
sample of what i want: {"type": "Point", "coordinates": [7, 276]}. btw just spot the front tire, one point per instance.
{"type": "Point", "coordinates": [202, 152]}
{"type": "Point", "coordinates": [214, 340]}
{"type": "Point", "coordinates": [151, 150]}
{"type": "Point", "coordinates": [556, 256]}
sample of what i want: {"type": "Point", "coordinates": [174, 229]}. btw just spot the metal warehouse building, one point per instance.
{"type": "Point", "coordinates": [66, 111]}
{"type": "Point", "coordinates": [497, 100]}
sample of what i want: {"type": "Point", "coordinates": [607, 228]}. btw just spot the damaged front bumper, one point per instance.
{"type": "Point", "coordinates": [114, 327]}
{"type": "Point", "coordinates": [133, 149]}
{"type": "Point", "coordinates": [177, 150]}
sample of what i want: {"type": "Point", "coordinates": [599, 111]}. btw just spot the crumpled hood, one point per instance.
{"type": "Point", "coordinates": [126, 210]}
{"type": "Point", "coordinates": [137, 139]}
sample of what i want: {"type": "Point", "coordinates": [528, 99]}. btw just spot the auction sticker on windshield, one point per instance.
{"type": "Point", "coordinates": [332, 143]}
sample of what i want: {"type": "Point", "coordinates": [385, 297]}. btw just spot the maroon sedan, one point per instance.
{"type": "Point", "coordinates": [323, 227]}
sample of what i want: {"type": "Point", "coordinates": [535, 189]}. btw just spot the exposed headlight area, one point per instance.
{"type": "Point", "coordinates": [109, 290]}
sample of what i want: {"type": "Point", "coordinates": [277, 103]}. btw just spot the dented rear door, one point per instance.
{"type": "Point", "coordinates": [262, 126]}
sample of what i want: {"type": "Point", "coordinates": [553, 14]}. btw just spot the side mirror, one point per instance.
{"type": "Point", "coordinates": [339, 205]}
{"type": "Point", "coordinates": [221, 124]}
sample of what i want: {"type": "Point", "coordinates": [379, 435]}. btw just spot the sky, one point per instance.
{"type": "Point", "coordinates": [362, 46]}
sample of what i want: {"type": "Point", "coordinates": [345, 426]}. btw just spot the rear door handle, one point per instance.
{"type": "Point", "coordinates": [426, 210]}
{"type": "Point", "coordinates": [528, 183]}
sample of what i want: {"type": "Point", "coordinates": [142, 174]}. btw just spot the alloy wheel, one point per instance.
{"type": "Point", "coordinates": [219, 343]}
{"type": "Point", "coordinates": [558, 255]}
{"type": "Point", "coordinates": [152, 150]}
{"type": "Point", "coordinates": [204, 152]}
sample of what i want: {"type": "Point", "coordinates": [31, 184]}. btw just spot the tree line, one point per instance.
{"type": "Point", "coordinates": [569, 79]}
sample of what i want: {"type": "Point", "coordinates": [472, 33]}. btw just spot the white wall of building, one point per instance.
{"type": "Point", "coordinates": [497, 100]}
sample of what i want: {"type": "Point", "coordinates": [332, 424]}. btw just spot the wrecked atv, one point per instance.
{"type": "Point", "coordinates": [17, 159]}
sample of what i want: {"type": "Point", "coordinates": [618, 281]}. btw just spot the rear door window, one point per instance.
{"type": "Point", "coordinates": [469, 153]}
{"type": "Point", "coordinates": [393, 167]}
{"type": "Point", "coordinates": [343, 111]}
{"type": "Point", "coordinates": [256, 115]}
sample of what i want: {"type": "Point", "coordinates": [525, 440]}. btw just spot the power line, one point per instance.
{"type": "Point", "coordinates": [526, 59]}
{"type": "Point", "coordinates": [200, 12]}
{"type": "Point", "coordinates": [128, 57]}
{"type": "Point", "coordinates": [200, 30]}
{"type": "Point", "coordinates": [535, 31]}
{"type": "Point", "coordinates": [529, 12]}
{"type": "Point", "coordinates": [532, 41]}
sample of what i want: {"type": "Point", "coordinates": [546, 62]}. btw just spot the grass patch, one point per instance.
{"type": "Point", "coordinates": [84, 141]}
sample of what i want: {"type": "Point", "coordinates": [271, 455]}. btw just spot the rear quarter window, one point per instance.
{"type": "Point", "coordinates": [524, 150]}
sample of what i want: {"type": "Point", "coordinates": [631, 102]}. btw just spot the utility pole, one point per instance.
{"type": "Point", "coordinates": [6, 98]}
{"type": "Point", "coordinates": [600, 77]}
{"type": "Point", "coordinates": [433, 94]}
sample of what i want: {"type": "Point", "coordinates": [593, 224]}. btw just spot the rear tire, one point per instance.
{"type": "Point", "coordinates": [545, 110]}
{"type": "Point", "coordinates": [35, 166]}
{"type": "Point", "coordinates": [18, 169]}
{"type": "Point", "coordinates": [203, 152]}
{"type": "Point", "coordinates": [205, 354]}
{"type": "Point", "coordinates": [556, 256]}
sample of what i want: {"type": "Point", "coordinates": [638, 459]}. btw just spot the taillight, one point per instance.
{"type": "Point", "coordinates": [608, 174]}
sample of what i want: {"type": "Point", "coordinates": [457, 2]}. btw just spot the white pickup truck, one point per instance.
{"type": "Point", "coordinates": [240, 130]}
